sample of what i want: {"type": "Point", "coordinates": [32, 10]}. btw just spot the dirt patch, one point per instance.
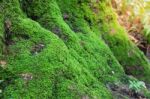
{"type": "Point", "coordinates": [37, 48]}
{"type": "Point", "coordinates": [8, 33]}
{"type": "Point", "coordinates": [60, 34]}
{"type": "Point", "coordinates": [123, 92]}
{"type": "Point", "coordinates": [129, 69]}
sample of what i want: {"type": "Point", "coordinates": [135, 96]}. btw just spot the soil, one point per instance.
{"type": "Point", "coordinates": [123, 92]}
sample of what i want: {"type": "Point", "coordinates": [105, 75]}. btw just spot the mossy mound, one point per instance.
{"type": "Point", "coordinates": [84, 46]}
{"type": "Point", "coordinates": [55, 49]}
{"type": "Point", "coordinates": [39, 65]}
{"type": "Point", "coordinates": [98, 18]}
{"type": "Point", "coordinates": [51, 73]}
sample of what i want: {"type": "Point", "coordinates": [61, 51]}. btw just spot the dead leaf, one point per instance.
{"type": "Point", "coordinates": [3, 63]}
{"type": "Point", "coordinates": [133, 39]}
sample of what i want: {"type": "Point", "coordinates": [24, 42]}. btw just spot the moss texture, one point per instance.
{"type": "Point", "coordinates": [58, 49]}
{"type": "Point", "coordinates": [128, 55]}
{"type": "Point", "coordinates": [84, 46]}
{"type": "Point", "coordinates": [146, 33]}
{"type": "Point", "coordinates": [99, 18]}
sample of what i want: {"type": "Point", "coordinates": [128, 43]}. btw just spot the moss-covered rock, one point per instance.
{"type": "Point", "coordinates": [97, 18]}
{"type": "Point", "coordinates": [61, 49]}
{"type": "Point", "coordinates": [84, 46]}
{"type": "Point", "coordinates": [39, 65]}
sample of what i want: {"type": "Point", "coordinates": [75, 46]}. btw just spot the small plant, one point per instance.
{"type": "Point", "coordinates": [136, 85]}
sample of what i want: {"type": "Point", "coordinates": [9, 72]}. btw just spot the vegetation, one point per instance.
{"type": "Point", "coordinates": [66, 49]}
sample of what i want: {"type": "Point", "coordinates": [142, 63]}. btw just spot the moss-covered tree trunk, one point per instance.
{"type": "Point", "coordinates": [64, 49]}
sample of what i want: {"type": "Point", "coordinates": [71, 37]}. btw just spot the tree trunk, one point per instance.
{"type": "Point", "coordinates": [64, 49]}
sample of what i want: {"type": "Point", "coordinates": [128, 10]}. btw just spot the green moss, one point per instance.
{"type": "Point", "coordinates": [146, 33]}
{"type": "Point", "coordinates": [133, 60]}
{"type": "Point", "coordinates": [128, 54]}
{"type": "Point", "coordinates": [1, 32]}
{"type": "Point", "coordinates": [83, 44]}
{"type": "Point", "coordinates": [98, 18]}
{"type": "Point", "coordinates": [65, 55]}
{"type": "Point", "coordinates": [52, 72]}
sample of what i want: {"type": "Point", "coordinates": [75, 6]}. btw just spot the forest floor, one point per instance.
{"type": "Point", "coordinates": [123, 92]}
